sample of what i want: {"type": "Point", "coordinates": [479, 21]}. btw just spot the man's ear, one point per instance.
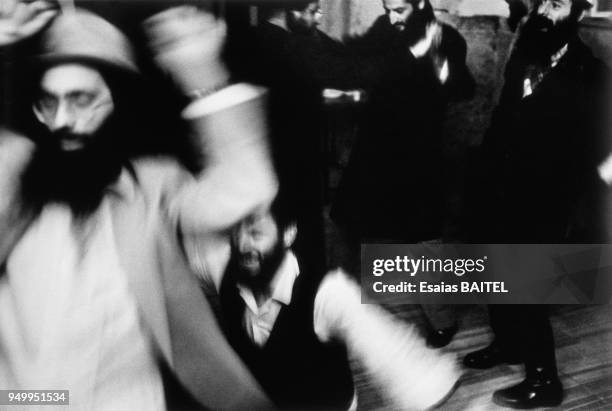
{"type": "Point", "coordinates": [421, 5]}
{"type": "Point", "coordinates": [295, 14]}
{"type": "Point", "coordinates": [582, 15]}
{"type": "Point", "coordinates": [289, 235]}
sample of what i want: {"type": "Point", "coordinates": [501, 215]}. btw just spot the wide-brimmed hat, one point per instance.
{"type": "Point", "coordinates": [81, 36]}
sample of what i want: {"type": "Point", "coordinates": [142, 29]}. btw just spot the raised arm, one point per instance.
{"type": "Point", "coordinates": [20, 20]}
{"type": "Point", "coordinates": [228, 123]}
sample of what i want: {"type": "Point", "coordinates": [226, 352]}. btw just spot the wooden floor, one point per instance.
{"type": "Point", "coordinates": [583, 339]}
{"type": "Point", "coordinates": [583, 336]}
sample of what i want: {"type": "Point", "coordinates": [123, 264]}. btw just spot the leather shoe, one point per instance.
{"type": "Point", "coordinates": [488, 357]}
{"type": "Point", "coordinates": [531, 394]}
{"type": "Point", "coordinates": [441, 338]}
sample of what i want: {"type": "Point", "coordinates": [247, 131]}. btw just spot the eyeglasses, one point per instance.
{"type": "Point", "coordinates": [75, 103]}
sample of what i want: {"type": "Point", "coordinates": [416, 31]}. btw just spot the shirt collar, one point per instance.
{"type": "Point", "coordinates": [281, 286]}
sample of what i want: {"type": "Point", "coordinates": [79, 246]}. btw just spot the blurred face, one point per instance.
{"type": "Point", "coordinates": [74, 102]}
{"type": "Point", "coordinates": [399, 12]}
{"type": "Point", "coordinates": [257, 245]}
{"type": "Point", "coordinates": [306, 20]}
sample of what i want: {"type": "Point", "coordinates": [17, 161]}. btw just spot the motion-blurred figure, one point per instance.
{"type": "Point", "coordinates": [392, 189]}
{"type": "Point", "coordinates": [95, 295]}
{"type": "Point", "coordinates": [537, 181]}
{"type": "Point", "coordinates": [296, 329]}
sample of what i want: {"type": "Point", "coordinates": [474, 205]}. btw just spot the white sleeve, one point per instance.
{"type": "Point", "coordinates": [230, 131]}
{"type": "Point", "coordinates": [392, 352]}
{"type": "Point", "coordinates": [208, 256]}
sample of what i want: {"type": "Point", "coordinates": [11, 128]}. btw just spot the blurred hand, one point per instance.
{"type": "Point", "coordinates": [187, 43]}
{"type": "Point", "coordinates": [20, 20]}
{"type": "Point", "coordinates": [433, 36]}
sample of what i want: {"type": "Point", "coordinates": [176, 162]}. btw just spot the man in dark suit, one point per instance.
{"type": "Point", "coordinates": [268, 305]}
{"type": "Point", "coordinates": [296, 328]}
{"type": "Point", "coordinates": [538, 167]}
{"type": "Point", "coordinates": [391, 190]}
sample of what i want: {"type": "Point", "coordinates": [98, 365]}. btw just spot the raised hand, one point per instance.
{"type": "Point", "coordinates": [20, 19]}
{"type": "Point", "coordinates": [187, 43]}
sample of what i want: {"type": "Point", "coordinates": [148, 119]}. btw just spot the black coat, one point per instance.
{"type": "Point", "coordinates": [392, 188]}
{"type": "Point", "coordinates": [535, 176]}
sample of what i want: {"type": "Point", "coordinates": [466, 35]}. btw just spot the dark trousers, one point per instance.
{"type": "Point", "coordinates": [525, 331]}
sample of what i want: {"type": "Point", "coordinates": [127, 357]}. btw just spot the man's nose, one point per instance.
{"type": "Point", "coordinates": [64, 118]}
{"type": "Point", "coordinates": [245, 243]}
{"type": "Point", "coordinates": [393, 17]}
{"type": "Point", "coordinates": [544, 8]}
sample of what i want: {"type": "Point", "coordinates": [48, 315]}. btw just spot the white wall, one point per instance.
{"type": "Point", "coordinates": [355, 16]}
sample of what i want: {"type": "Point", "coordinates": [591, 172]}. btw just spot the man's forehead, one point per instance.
{"type": "Point", "coordinates": [66, 78]}
{"type": "Point", "coordinates": [396, 4]}
{"type": "Point", "coordinates": [557, 2]}
{"type": "Point", "coordinates": [259, 217]}
{"type": "Point", "coordinates": [313, 6]}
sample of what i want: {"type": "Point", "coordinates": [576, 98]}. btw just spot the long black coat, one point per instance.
{"type": "Point", "coordinates": [535, 176]}
{"type": "Point", "coordinates": [392, 188]}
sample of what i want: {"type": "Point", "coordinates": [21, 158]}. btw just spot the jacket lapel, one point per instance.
{"type": "Point", "coordinates": [135, 229]}
{"type": "Point", "coordinates": [174, 307]}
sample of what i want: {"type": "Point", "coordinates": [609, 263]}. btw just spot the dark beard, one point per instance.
{"type": "Point", "coordinates": [77, 179]}
{"type": "Point", "coordinates": [536, 46]}
{"type": "Point", "coordinates": [269, 266]}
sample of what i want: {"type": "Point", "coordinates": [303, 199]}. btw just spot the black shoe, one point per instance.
{"type": "Point", "coordinates": [531, 394]}
{"type": "Point", "coordinates": [441, 338]}
{"type": "Point", "coordinates": [488, 357]}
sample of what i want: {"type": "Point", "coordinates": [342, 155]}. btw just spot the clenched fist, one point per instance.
{"type": "Point", "coordinates": [187, 43]}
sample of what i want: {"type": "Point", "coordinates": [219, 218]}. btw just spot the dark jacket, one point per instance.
{"type": "Point", "coordinates": [535, 176]}
{"type": "Point", "coordinates": [392, 187]}
{"type": "Point", "coordinates": [295, 369]}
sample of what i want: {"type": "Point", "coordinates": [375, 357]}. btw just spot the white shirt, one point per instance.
{"type": "Point", "coordinates": [393, 354]}
{"type": "Point", "coordinates": [68, 320]}
{"type": "Point", "coordinates": [209, 261]}
{"type": "Point", "coordinates": [258, 321]}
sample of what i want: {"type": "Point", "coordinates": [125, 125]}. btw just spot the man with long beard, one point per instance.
{"type": "Point", "coordinates": [95, 294]}
{"type": "Point", "coordinates": [538, 168]}
{"type": "Point", "coordinates": [392, 188]}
